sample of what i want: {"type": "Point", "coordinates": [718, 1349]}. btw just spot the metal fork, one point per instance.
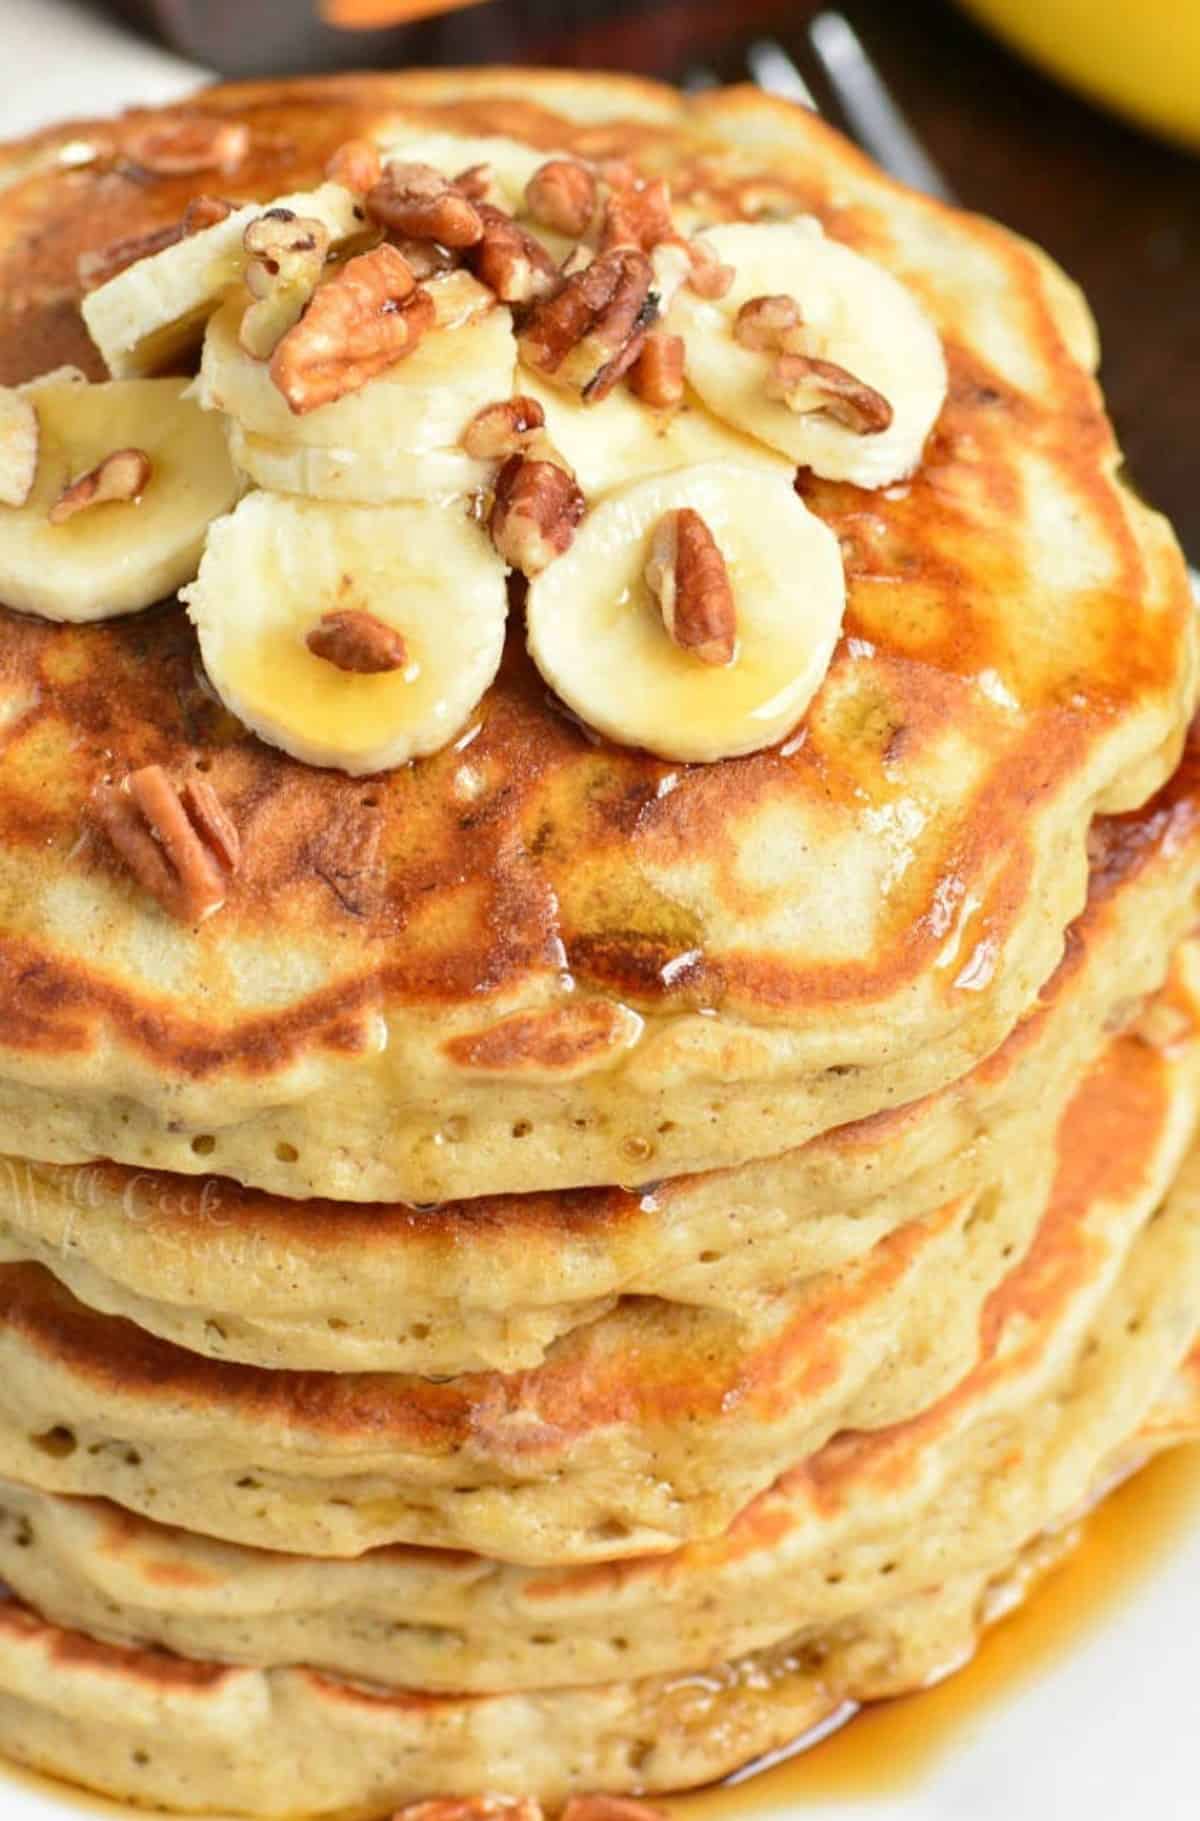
{"type": "Point", "coordinates": [864, 98]}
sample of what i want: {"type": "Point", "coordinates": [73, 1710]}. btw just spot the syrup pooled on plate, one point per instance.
{"type": "Point", "coordinates": [884, 1749]}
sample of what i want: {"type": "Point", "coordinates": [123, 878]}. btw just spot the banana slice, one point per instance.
{"type": "Point", "coordinates": [153, 312]}
{"type": "Point", "coordinates": [597, 632]}
{"type": "Point", "coordinates": [278, 570]}
{"type": "Point", "coordinates": [622, 439]}
{"type": "Point", "coordinates": [375, 479]}
{"type": "Point", "coordinates": [855, 315]}
{"type": "Point", "coordinates": [423, 403]}
{"type": "Point", "coordinates": [123, 555]}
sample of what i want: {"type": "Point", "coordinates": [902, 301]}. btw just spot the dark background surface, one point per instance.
{"type": "Point", "coordinates": [1118, 209]}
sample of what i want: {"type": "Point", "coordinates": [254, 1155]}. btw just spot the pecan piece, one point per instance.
{"type": "Point", "coordinates": [123, 475]}
{"type": "Point", "coordinates": [472, 1808]}
{"type": "Point", "coordinates": [617, 173]}
{"type": "Point", "coordinates": [638, 217]}
{"type": "Point", "coordinates": [96, 268]}
{"type": "Point", "coordinates": [189, 143]}
{"type": "Point", "coordinates": [362, 321]}
{"type": "Point", "coordinates": [536, 508]}
{"type": "Point", "coordinates": [353, 639]}
{"type": "Point", "coordinates": [768, 323]}
{"type": "Point", "coordinates": [424, 258]}
{"type": "Point", "coordinates": [512, 263]}
{"type": "Point", "coordinates": [657, 374]}
{"type": "Point", "coordinates": [610, 1808]}
{"type": "Point", "coordinates": [356, 165]}
{"type": "Point", "coordinates": [178, 842]}
{"type": "Point", "coordinates": [204, 212]}
{"type": "Point", "coordinates": [19, 437]}
{"type": "Point", "coordinates": [285, 256]}
{"type": "Point", "coordinates": [499, 430]}
{"type": "Point", "coordinates": [478, 184]}
{"type": "Point", "coordinates": [419, 203]}
{"type": "Point", "coordinates": [806, 385]}
{"type": "Point", "coordinates": [686, 573]}
{"type": "Point", "coordinates": [589, 335]}
{"type": "Point", "coordinates": [561, 195]}
{"type": "Point", "coordinates": [708, 277]}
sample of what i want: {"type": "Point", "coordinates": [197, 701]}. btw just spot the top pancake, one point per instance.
{"type": "Point", "coordinates": [543, 961]}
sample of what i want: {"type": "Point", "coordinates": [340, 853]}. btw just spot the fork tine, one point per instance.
{"type": "Point", "coordinates": [876, 121]}
{"type": "Point", "coordinates": [774, 71]}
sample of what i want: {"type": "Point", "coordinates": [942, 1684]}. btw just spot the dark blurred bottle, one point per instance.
{"type": "Point", "coordinates": [280, 37]}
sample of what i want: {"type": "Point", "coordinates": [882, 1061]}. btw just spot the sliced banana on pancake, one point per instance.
{"type": "Point", "coordinates": [855, 317]}
{"type": "Point", "coordinates": [145, 317]}
{"type": "Point", "coordinates": [378, 478]}
{"type": "Point", "coordinates": [419, 406]}
{"type": "Point", "coordinates": [637, 653]}
{"type": "Point", "coordinates": [622, 439]}
{"type": "Point", "coordinates": [97, 537]}
{"type": "Point", "coordinates": [353, 637]}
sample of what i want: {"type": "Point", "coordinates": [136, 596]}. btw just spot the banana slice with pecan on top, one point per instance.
{"type": "Point", "coordinates": [111, 490]}
{"type": "Point", "coordinates": [815, 350]}
{"type": "Point", "coordinates": [673, 623]}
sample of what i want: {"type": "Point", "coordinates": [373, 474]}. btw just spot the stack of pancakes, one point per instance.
{"type": "Point", "coordinates": [586, 1266]}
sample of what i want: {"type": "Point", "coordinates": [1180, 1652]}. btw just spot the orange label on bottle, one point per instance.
{"type": "Point", "coordinates": [377, 15]}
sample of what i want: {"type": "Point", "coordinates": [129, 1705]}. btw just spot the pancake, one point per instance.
{"type": "Point", "coordinates": [1008, 1451]}
{"type": "Point", "coordinates": [489, 1284]}
{"type": "Point", "coordinates": [157, 1727]}
{"type": "Point", "coordinates": [545, 962]}
{"type": "Point", "coordinates": [651, 1426]}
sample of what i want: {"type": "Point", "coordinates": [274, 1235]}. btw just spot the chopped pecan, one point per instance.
{"type": "Point", "coordinates": [424, 258]}
{"type": "Point", "coordinates": [686, 573]}
{"type": "Point", "coordinates": [534, 514]}
{"type": "Point", "coordinates": [589, 335]}
{"type": "Point", "coordinates": [512, 263]}
{"type": "Point", "coordinates": [617, 173]}
{"type": "Point", "coordinates": [610, 1808]}
{"type": "Point", "coordinates": [472, 1808]}
{"type": "Point", "coordinates": [806, 385]}
{"type": "Point", "coordinates": [638, 217]}
{"type": "Point", "coordinates": [123, 475]}
{"type": "Point", "coordinates": [178, 842]}
{"type": "Point", "coordinates": [213, 822]}
{"type": "Point", "coordinates": [356, 165]}
{"type": "Point", "coordinates": [353, 639]}
{"type": "Point", "coordinates": [362, 321]}
{"type": "Point", "coordinates": [418, 202]}
{"type": "Point", "coordinates": [285, 256]}
{"type": "Point", "coordinates": [499, 430]}
{"type": "Point", "coordinates": [186, 144]}
{"type": "Point", "coordinates": [478, 183]}
{"type": "Point", "coordinates": [767, 324]}
{"type": "Point", "coordinates": [19, 437]}
{"type": "Point", "coordinates": [204, 212]}
{"type": "Point", "coordinates": [561, 195]}
{"type": "Point", "coordinates": [96, 268]}
{"type": "Point", "coordinates": [708, 277]}
{"type": "Point", "coordinates": [657, 374]}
